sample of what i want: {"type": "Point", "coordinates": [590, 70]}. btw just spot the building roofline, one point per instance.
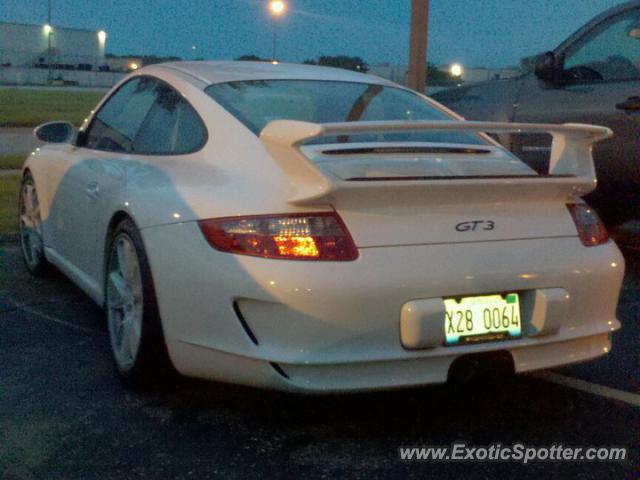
{"type": "Point", "coordinates": [40, 25]}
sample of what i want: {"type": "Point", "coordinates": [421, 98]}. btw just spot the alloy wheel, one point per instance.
{"type": "Point", "coordinates": [124, 301]}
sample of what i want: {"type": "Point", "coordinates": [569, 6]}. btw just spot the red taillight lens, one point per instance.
{"type": "Point", "coordinates": [316, 236]}
{"type": "Point", "coordinates": [591, 230]}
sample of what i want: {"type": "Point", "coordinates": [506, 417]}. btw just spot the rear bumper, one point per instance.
{"type": "Point", "coordinates": [376, 375]}
{"type": "Point", "coordinates": [336, 326]}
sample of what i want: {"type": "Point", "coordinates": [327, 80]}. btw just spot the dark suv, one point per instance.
{"type": "Point", "coordinates": [592, 77]}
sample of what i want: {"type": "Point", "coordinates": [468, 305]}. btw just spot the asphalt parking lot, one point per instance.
{"type": "Point", "coordinates": [64, 414]}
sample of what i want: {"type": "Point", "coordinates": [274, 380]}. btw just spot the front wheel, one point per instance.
{"type": "Point", "coordinates": [31, 238]}
{"type": "Point", "coordinates": [135, 330]}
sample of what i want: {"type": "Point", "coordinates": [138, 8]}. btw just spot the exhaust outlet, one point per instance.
{"type": "Point", "coordinates": [481, 367]}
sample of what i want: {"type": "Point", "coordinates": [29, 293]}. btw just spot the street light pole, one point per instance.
{"type": "Point", "coordinates": [49, 32]}
{"type": "Point", "coordinates": [274, 40]}
{"type": "Point", "coordinates": [277, 8]}
{"type": "Point", "coordinates": [418, 45]}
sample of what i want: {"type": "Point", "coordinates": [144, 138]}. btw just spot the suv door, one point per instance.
{"type": "Point", "coordinates": [599, 84]}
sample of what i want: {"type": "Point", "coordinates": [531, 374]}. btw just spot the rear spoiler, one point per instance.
{"type": "Point", "coordinates": [571, 167]}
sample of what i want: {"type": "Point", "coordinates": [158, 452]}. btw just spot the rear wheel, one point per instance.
{"type": "Point", "coordinates": [135, 330]}
{"type": "Point", "coordinates": [31, 239]}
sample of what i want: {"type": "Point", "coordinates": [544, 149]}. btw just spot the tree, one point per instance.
{"type": "Point", "coordinates": [251, 58]}
{"type": "Point", "coordinates": [151, 59]}
{"type": "Point", "coordinates": [440, 78]}
{"type": "Point", "coordinates": [343, 61]}
{"type": "Point", "coordinates": [146, 59]}
{"type": "Point", "coordinates": [339, 61]}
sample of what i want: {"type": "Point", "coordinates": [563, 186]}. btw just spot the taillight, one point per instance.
{"type": "Point", "coordinates": [591, 230]}
{"type": "Point", "coordinates": [315, 236]}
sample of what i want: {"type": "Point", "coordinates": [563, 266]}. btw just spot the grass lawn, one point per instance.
{"type": "Point", "coordinates": [30, 107]}
{"type": "Point", "coordinates": [9, 188]}
{"type": "Point", "coordinates": [11, 162]}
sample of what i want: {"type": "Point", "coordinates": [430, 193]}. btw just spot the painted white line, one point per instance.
{"type": "Point", "coordinates": [588, 387]}
{"type": "Point", "coordinates": [37, 313]}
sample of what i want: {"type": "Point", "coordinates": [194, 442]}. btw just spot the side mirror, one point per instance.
{"type": "Point", "coordinates": [546, 67]}
{"type": "Point", "coordinates": [55, 132]}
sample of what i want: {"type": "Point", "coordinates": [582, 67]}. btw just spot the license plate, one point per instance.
{"type": "Point", "coordinates": [482, 319]}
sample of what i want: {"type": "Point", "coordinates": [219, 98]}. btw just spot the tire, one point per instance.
{"type": "Point", "coordinates": [31, 237]}
{"type": "Point", "coordinates": [135, 330]}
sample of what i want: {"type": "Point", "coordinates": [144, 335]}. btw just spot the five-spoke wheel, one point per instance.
{"type": "Point", "coordinates": [125, 301]}
{"type": "Point", "coordinates": [135, 330]}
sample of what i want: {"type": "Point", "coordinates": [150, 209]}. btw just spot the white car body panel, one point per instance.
{"type": "Point", "coordinates": [327, 326]}
{"type": "Point", "coordinates": [299, 329]}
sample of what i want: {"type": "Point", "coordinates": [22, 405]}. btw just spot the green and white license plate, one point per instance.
{"type": "Point", "coordinates": [482, 319]}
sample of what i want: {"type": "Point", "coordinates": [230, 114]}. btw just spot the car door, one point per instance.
{"type": "Point", "coordinates": [599, 84]}
{"type": "Point", "coordinates": [169, 129]}
{"type": "Point", "coordinates": [75, 206]}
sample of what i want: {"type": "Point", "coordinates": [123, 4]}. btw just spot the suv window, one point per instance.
{"type": "Point", "coordinates": [146, 116]}
{"type": "Point", "coordinates": [609, 52]}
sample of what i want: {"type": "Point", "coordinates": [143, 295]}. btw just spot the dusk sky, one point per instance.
{"type": "Point", "coordinates": [490, 33]}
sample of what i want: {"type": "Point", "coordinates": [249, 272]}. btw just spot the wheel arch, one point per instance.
{"type": "Point", "coordinates": [115, 220]}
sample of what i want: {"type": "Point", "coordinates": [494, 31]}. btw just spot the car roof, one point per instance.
{"type": "Point", "coordinates": [222, 72]}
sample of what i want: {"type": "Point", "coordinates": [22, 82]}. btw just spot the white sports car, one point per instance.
{"type": "Point", "coordinates": [313, 229]}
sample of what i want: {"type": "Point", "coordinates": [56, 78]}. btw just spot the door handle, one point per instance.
{"type": "Point", "coordinates": [631, 104]}
{"type": "Point", "coordinates": [93, 190]}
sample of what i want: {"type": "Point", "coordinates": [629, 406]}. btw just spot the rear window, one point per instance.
{"type": "Point", "coordinates": [256, 103]}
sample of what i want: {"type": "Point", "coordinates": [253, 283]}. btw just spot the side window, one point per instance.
{"type": "Point", "coordinates": [116, 124]}
{"type": "Point", "coordinates": [610, 52]}
{"type": "Point", "coordinates": [172, 126]}
{"type": "Point", "coordinates": [146, 116]}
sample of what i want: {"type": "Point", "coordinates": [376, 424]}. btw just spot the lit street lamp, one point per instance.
{"type": "Point", "coordinates": [277, 8]}
{"type": "Point", "coordinates": [102, 45]}
{"type": "Point", "coordinates": [456, 70]}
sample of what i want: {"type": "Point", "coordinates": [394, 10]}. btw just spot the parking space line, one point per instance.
{"type": "Point", "coordinates": [588, 387]}
{"type": "Point", "coordinates": [26, 308]}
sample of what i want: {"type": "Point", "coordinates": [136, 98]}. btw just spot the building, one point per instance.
{"type": "Point", "coordinates": [395, 73]}
{"type": "Point", "coordinates": [399, 74]}
{"type": "Point", "coordinates": [23, 45]}
{"type": "Point", "coordinates": [124, 64]}
{"type": "Point", "coordinates": [483, 74]}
